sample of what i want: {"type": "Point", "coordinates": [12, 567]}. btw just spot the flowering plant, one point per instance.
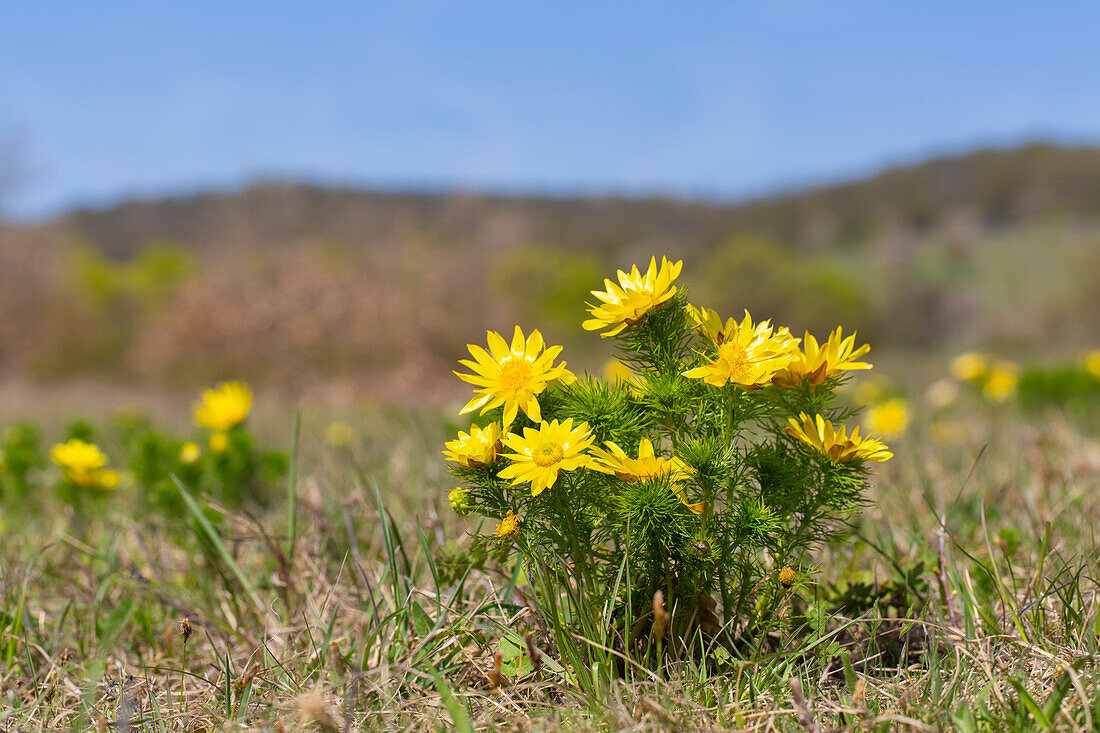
{"type": "Point", "coordinates": [704, 479]}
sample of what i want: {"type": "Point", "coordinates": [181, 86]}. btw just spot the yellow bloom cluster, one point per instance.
{"type": "Point", "coordinates": [84, 465]}
{"type": "Point", "coordinates": [747, 354]}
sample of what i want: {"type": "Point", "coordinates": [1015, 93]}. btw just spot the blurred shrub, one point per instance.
{"type": "Point", "coordinates": [147, 280]}
{"type": "Point", "coordinates": [550, 281]}
{"type": "Point", "coordinates": [22, 452]}
{"type": "Point", "coordinates": [1070, 388]}
{"type": "Point", "coordinates": [108, 305]}
{"type": "Point", "coordinates": [802, 291]}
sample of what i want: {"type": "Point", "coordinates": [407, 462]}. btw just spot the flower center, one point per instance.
{"type": "Point", "coordinates": [514, 372]}
{"type": "Point", "coordinates": [736, 359]}
{"type": "Point", "coordinates": [547, 454]}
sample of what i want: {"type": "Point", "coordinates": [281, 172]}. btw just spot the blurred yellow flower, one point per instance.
{"type": "Point", "coordinates": [508, 527]}
{"type": "Point", "coordinates": [540, 455]}
{"type": "Point", "coordinates": [224, 407]}
{"type": "Point", "coordinates": [970, 366]}
{"type": "Point", "coordinates": [83, 464]}
{"type": "Point", "coordinates": [1000, 382]}
{"type": "Point", "coordinates": [647, 465]}
{"type": "Point", "coordinates": [750, 356]}
{"type": "Point", "coordinates": [339, 434]}
{"type": "Point", "coordinates": [1092, 363]}
{"type": "Point", "coordinates": [628, 302]}
{"type": "Point", "coordinates": [189, 453]}
{"type": "Point", "coordinates": [478, 448]}
{"type": "Point", "coordinates": [788, 576]}
{"type": "Point", "coordinates": [512, 376]}
{"type": "Point", "coordinates": [219, 442]}
{"type": "Point", "coordinates": [815, 363]}
{"type": "Point", "coordinates": [941, 394]}
{"type": "Point", "coordinates": [890, 418]}
{"type": "Point", "coordinates": [105, 480]}
{"type": "Point", "coordinates": [818, 433]}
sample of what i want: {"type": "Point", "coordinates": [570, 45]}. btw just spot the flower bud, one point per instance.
{"type": "Point", "coordinates": [460, 501]}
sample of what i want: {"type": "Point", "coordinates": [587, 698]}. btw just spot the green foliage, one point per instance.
{"type": "Point", "coordinates": [1071, 388]}
{"type": "Point", "coordinates": [809, 292]}
{"type": "Point", "coordinates": [21, 453]}
{"type": "Point", "coordinates": [148, 279]}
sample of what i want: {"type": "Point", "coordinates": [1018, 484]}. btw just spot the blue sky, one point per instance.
{"type": "Point", "coordinates": [720, 99]}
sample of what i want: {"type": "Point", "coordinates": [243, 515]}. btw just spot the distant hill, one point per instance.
{"type": "Point", "coordinates": [293, 282]}
{"type": "Point", "coordinates": [991, 187]}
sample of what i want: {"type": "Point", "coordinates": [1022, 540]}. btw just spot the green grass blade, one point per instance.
{"type": "Point", "coordinates": [457, 710]}
{"type": "Point", "coordinates": [292, 488]}
{"type": "Point", "coordinates": [219, 544]}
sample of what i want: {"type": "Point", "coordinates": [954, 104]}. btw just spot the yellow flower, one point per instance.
{"type": "Point", "coordinates": [508, 527]}
{"type": "Point", "coordinates": [478, 448]}
{"type": "Point", "coordinates": [78, 457]}
{"type": "Point", "coordinates": [818, 433]}
{"type": "Point", "coordinates": [1092, 363]}
{"type": "Point", "coordinates": [1000, 381]}
{"type": "Point", "coordinates": [890, 418]}
{"type": "Point", "coordinates": [969, 367]}
{"type": "Point", "coordinates": [189, 453]}
{"type": "Point", "coordinates": [84, 464]}
{"type": "Point", "coordinates": [788, 576]}
{"type": "Point", "coordinates": [628, 302]}
{"type": "Point", "coordinates": [750, 356]}
{"type": "Point", "coordinates": [647, 465]}
{"type": "Point", "coordinates": [814, 364]}
{"type": "Point", "coordinates": [540, 455]}
{"type": "Point", "coordinates": [512, 376]}
{"type": "Point", "coordinates": [219, 442]}
{"type": "Point", "coordinates": [339, 434]}
{"type": "Point", "coordinates": [224, 407]}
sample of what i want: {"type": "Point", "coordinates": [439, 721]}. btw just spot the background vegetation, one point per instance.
{"type": "Point", "coordinates": [289, 283]}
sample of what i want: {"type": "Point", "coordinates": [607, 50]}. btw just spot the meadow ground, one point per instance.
{"type": "Point", "coordinates": [964, 598]}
